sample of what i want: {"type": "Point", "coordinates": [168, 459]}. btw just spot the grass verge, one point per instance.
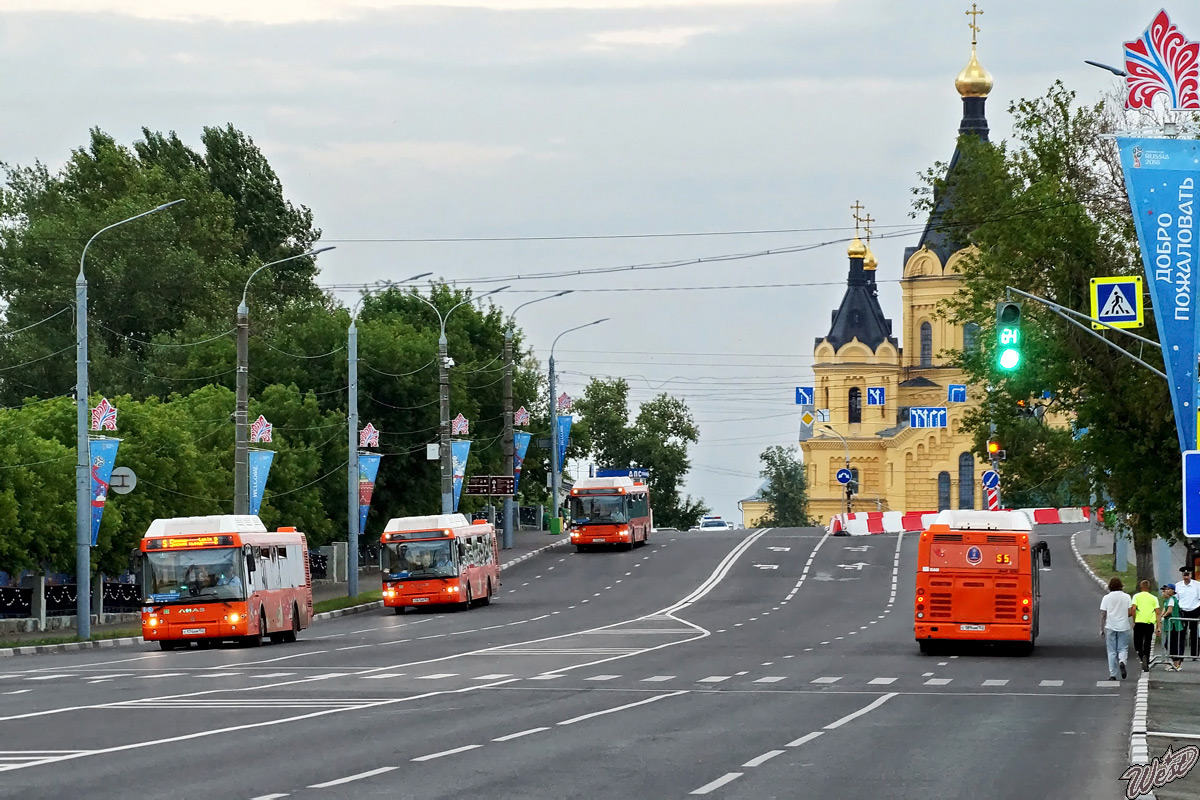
{"type": "Point", "coordinates": [108, 633]}
{"type": "Point", "coordinates": [345, 602]}
{"type": "Point", "coordinates": [1102, 565]}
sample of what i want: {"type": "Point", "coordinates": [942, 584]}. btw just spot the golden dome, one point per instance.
{"type": "Point", "coordinates": [974, 80]}
{"type": "Point", "coordinates": [856, 249]}
{"type": "Point", "coordinates": [869, 262]}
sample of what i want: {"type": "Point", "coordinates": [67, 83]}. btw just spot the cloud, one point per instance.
{"type": "Point", "coordinates": [468, 157]}
{"type": "Point", "coordinates": [655, 37]}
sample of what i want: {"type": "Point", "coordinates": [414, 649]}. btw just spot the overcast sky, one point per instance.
{"type": "Point", "coordinates": [398, 120]}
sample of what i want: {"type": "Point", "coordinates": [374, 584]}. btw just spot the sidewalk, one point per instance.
{"type": "Point", "coordinates": [526, 544]}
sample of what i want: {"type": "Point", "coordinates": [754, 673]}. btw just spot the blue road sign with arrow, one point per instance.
{"type": "Point", "coordinates": [844, 476]}
{"type": "Point", "coordinates": [804, 395]}
{"type": "Point", "coordinates": [991, 479]}
{"type": "Point", "coordinates": [1191, 493]}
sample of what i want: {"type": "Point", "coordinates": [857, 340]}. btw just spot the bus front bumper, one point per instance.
{"type": "Point", "coordinates": [399, 595]}
{"type": "Point", "coordinates": [979, 632]}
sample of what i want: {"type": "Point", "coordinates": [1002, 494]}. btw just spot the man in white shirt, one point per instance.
{"type": "Point", "coordinates": [1116, 609]}
{"type": "Point", "coordinates": [1187, 592]}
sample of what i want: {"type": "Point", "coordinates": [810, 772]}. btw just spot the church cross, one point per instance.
{"type": "Point", "coordinates": [974, 15]}
{"type": "Point", "coordinates": [854, 209]}
{"type": "Point", "coordinates": [867, 220]}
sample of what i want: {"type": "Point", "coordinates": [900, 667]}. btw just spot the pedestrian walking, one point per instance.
{"type": "Point", "coordinates": [1116, 609]}
{"type": "Point", "coordinates": [1172, 627]}
{"type": "Point", "coordinates": [1145, 621]}
{"type": "Point", "coordinates": [1187, 591]}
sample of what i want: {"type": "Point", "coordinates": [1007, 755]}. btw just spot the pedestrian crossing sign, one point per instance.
{"type": "Point", "coordinates": [1117, 302]}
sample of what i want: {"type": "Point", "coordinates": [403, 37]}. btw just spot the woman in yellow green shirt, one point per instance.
{"type": "Point", "coordinates": [1146, 615]}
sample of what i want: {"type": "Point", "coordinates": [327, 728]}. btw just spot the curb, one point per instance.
{"type": "Point", "coordinates": [1084, 564]}
{"type": "Point", "coordinates": [6, 652]}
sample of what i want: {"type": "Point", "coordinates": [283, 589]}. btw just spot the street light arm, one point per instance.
{"type": "Point", "coordinates": [569, 330]}
{"type": "Point", "coordinates": [512, 316]}
{"type": "Point", "coordinates": [116, 224]}
{"type": "Point", "coordinates": [246, 289]}
{"type": "Point", "coordinates": [382, 286]}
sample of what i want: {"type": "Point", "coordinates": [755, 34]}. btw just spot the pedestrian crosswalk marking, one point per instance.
{"type": "Point", "coordinates": [437, 676]}
{"type": "Point", "coordinates": [657, 678]}
{"type": "Point", "coordinates": [1051, 683]}
{"type": "Point", "coordinates": [714, 679]}
{"type": "Point", "coordinates": [602, 677]}
{"type": "Point", "coordinates": [938, 681]}
{"type": "Point", "coordinates": [881, 681]}
{"type": "Point", "coordinates": [827, 680]}
{"type": "Point", "coordinates": [995, 683]}
{"type": "Point", "coordinates": [771, 679]}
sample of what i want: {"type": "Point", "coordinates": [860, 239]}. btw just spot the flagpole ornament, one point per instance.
{"type": "Point", "coordinates": [521, 417]}
{"type": "Point", "coordinates": [260, 430]}
{"type": "Point", "coordinates": [460, 425]}
{"type": "Point", "coordinates": [1162, 61]}
{"type": "Point", "coordinates": [104, 416]}
{"type": "Point", "coordinates": [368, 436]}
{"type": "Point", "coordinates": [564, 402]}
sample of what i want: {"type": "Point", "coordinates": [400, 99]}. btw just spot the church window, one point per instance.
{"type": "Point", "coordinates": [943, 491]}
{"type": "Point", "coordinates": [855, 405]}
{"type": "Point", "coordinates": [970, 337]}
{"type": "Point", "coordinates": [966, 481]}
{"type": "Point", "coordinates": [926, 344]}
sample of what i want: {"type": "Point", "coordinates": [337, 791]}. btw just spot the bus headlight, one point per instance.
{"type": "Point", "coordinates": [233, 617]}
{"type": "Point", "coordinates": [153, 621]}
{"type": "Point", "coordinates": [452, 589]}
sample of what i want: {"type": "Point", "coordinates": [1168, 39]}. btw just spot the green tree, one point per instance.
{"type": "Point", "coordinates": [1048, 212]}
{"type": "Point", "coordinates": [657, 439]}
{"type": "Point", "coordinates": [785, 490]}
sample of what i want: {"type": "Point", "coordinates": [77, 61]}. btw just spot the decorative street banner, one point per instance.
{"type": "Point", "coordinates": [260, 468]}
{"type": "Point", "coordinates": [102, 454]}
{"type": "Point", "coordinates": [459, 452]}
{"type": "Point", "coordinates": [564, 402]}
{"type": "Point", "coordinates": [260, 430]}
{"type": "Point", "coordinates": [1161, 177]}
{"type": "Point", "coordinates": [368, 436]}
{"type": "Point", "coordinates": [520, 445]}
{"type": "Point", "coordinates": [459, 425]}
{"type": "Point", "coordinates": [368, 471]}
{"type": "Point", "coordinates": [1162, 61]}
{"type": "Point", "coordinates": [521, 417]}
{"type": "Point", "coordinates": [563, 432]}
{"type": "Point", "coordinates": [104, 416]}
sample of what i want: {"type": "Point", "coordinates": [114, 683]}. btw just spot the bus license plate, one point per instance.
{"type": "Point", "coordinates": [193, 631]}
{"type": "Point", "coordinates": [972, 627]}
{"type": "Point", "coordinates": [420, 599]}
{"type": "Point", "coordinates": [597, 540]}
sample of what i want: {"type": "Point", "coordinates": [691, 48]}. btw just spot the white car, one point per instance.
{"type": "Point", "coordinates": [713, 524]}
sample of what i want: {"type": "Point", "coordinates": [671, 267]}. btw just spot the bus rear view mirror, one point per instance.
{"type": "Point", "coordinates": [1046, 556]}
{"type": "Point", "coordinates": [135, 560]}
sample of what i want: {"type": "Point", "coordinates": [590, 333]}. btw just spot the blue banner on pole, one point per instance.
{"type": "Point", "coordinates": [260, 468]}
{"type": "Point", "coordinates": [520, 446]}
{"type": "Point", "coordinates": [1161, 177]}
{"type": "Point", "coordinates": [102, 454]}
{"type": "Point", "coordinates": [368, 471]}
{"type": "Point", "coordinates": [563, 431]}
{"type": "Point", "coordinates": [459, 452]}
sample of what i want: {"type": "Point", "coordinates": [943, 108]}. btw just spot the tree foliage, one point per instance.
{"type": "Point", "coordinates": [657, 440]}
{"type": "Point", "coordinates": [786, 489]}
{"type": "Point", "coordinates": [1048, 212]}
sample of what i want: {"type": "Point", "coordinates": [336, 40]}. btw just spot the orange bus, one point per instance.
{"type": "Point", "coordinates": [977, 579]}
{"type": "Point", "coordinates": [206, 579]}
{"type": "Point", "coordinates": [610, 511]}
{"type": "Point", "coordinates": [437, 560]}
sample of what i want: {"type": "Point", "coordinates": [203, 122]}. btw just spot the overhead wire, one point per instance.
{"type": "Point", "coordinates": [63, 310]}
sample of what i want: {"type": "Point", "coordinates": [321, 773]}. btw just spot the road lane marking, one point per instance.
{"type": "Point", "coordinates": [713, 679]}
{"type": "Point", "coordinates": [1107, 684]}
{"type": "Point", "coordinates": [658, 678]}
{"type": "Point", "coordinates": [995, 683]}
{"type": "Point", "coordinates": [355, 646]}
{"type": "Point", "coordinates": [771, 679]}
{"type": "Point", "coordinates": [269, 796]}
{"type": "Point", "coordinates": [938, 681]}
{"type": "Point", "coordinates": [437, 676]}
{"type": "Point", "coordinates": [494, 677]}
{"type": "Point", "coordinates": [380, 676]}
{"type": "Point", "coordinates": [349, 778]}
{"type": "Point", "coordinates": [718, 783]}
{"type": "Point", "coordinates": [209, 675]}
{"type": "Point", "coordinates": [19, 691]}
{"type": "Point", "coordinates": [867, 709]}
{"type": "Point", "coordinates": [647, 701]}
{"type": "Point", "coordinates": [512, 736]}
{"type": "Point", "coordinates": [1051, 683]}
{"type": "Point", "coordinates": [602, 678]}
{"type": "Point", "coordinates": [881, 681]}
{"type": "Point", "coordinates": [445, 753]}
{"type": "Point", "coordinates": [546, 677]}
{"type": "Point", "coordinates": [808, 737]}
{"type": "Point", "coordinates": [827, 680]}
{"type": "Point", "coordinates": [163, 675]}
{"type": "Point", "coordinates": [764, 758]}
{"type": "Point", "coordinates": [54, 677]}
{"type": "Point", "coordinates": [275, 675]}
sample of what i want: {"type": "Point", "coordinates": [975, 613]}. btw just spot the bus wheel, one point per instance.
{"type": "Point", "coordinates": [468, 602]}
{"type": "Point", "coordinates": [581, 548]}
{"type": "Point", "coordinates": [290, 636]}
{"type": "Point", "coordinates": [926, 647]}
{"type": "Point", "coordinates": [255, 640]}
{"type": "Point", "coordinates": [167, 644]}
{"type": "Point", "coordinates": [487, 598]}
{"type": "Point", "coordinates": [399, 610]}
{"type": "Point", "coordinates": [1025, 649]}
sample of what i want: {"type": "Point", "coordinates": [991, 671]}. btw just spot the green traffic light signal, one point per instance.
{"type": "Point", "coordinates": [1008, 335]}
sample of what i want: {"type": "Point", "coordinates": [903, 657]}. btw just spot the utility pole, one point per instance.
{"type": "Point", "coordinates": [554, 476]}
{"type": "Point", "coordinates": [508, 435]}
{"type": "Point", "coordinates": [352, 476]}
{"type": "Point", "coordinates": [444, 450]}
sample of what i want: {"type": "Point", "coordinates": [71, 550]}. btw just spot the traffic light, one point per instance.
{"type": "Point", "coordinates": [994, 451]}
{"type": "Point", "coordinates": [1008, 335]}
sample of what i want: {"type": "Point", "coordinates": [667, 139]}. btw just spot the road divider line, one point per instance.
{"type": "Point", "coordinates": [349, 779]}
{"type": "Point", "coordinates": [867, 709]}
{"type": "Point", "coordinates": [512, 736]}
{"type": "Point", "coordinates": [764, 758]}
{"type": "Point", "coordinates": [647, 701]}
{"type": "Point", "coordinates": [444, 753]}
{"type": "Point", "coordinates": [728, 777]}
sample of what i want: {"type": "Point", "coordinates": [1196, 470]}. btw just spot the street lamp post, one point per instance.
{"type": "Point", "coordinates": [509, 448]}
{"type": "Point", "coordinates": [83, 486]}
{"type": "Point", "coordinates": [849, 483]}
{"type": "Point", "coordinates": [352, 473]}
{"type": "Point", "coordinates": [444, 399]}
{"type": "Point", "coordinates": [241, 449]}
{"type": "Point", "coordinates": [555, 476]}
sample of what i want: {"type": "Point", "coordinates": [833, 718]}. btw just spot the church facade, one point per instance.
{"type": "Point", "coordinates": [870, 376]}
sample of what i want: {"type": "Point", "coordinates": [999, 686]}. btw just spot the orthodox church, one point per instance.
{"type": "Point", "coordinates": [887, 403]}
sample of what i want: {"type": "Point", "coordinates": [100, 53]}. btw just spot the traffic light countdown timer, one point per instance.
{"type": "Point", "coordinates": [1008, 335]}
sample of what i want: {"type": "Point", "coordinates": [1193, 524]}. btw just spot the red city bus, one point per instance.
{"type": "Point", "coordinates": [977, 579]}
{"type": "Point", "coordinates": [437, 560]}
{"type": "Point", "coordinates": [206, 579]}
{"type": "Point", "coordinates": [610, 511]}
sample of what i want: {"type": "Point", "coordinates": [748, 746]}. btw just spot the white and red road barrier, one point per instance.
{"type": "Point", "coordinates": [869, 522]}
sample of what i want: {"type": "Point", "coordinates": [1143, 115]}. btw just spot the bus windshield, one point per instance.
{"type": "Point", "coordinates": [420, 559]}
{"type": "Point", "coordinates": [188, 575]}
{"type": "Point", "coordinates": [599, 509]}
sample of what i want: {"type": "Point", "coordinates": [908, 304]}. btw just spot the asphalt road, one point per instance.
{"type": "Point", "coordinates": [742, 664]}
